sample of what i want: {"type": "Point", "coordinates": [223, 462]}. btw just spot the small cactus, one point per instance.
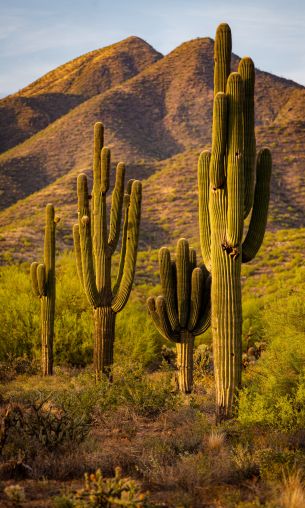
{"type": "Point", "coordinates": [94, 246]}
{"type": "Point", "coordinates": [183, 311]}
{"type": "Point", "coordinates": [44, 285]}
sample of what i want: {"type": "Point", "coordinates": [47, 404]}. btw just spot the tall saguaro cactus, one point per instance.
{"type": "Point", "coordinates": [43, 285]}
{"type": "Point", "coordinates": [94, 246]}
{"type": "Point", "coordinates": [183, 311]}
{"type": "Point", "coordinates": [232, 183]}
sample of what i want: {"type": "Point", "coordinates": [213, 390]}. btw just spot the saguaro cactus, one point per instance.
{"type": "Point", "coordinates": [232, 183]}
{"type": "Point", "coordinates": [94, 246]}
{"type": "Point", "coordinates": [43, 284]}
{"type": "Point", "coordinates": [183, 311]}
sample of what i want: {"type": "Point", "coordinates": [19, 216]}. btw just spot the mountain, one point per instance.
{"type": "Point", "coordinates": [157, 120]}
{"type": "Point", "coordinates": [33, 108]}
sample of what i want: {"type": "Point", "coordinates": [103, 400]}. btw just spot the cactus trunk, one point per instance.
{"type": "Point", "coordinates": [47, 334]}
{"type": "Point", "coordinates": [226, 328]}
{"type": "Point", "coordinates": [44, 286]}
{"type": "Point", "coordinates": [185, 349]}
{"type": "Point", "coordinates": [104, 332]}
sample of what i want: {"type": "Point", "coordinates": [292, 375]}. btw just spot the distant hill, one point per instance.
{"type": "Point", "coordinates": [33, 108]}
{"type": "Point", "coordinates": [157, 113]}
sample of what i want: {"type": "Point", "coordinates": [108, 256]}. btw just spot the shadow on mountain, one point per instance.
{"type": "Point", "coordinates": [22, 117]}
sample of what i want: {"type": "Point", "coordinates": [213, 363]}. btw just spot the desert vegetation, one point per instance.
{"type": "Point", "coordinates": [149, 406]}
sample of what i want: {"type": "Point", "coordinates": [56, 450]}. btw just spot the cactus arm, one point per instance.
{"type": "Point", "coordinates": [134, 216]}
{"type": "Point", "coordinates": [204, 216]}
{"type": "Point", "coordinates": [78, 253]}
{"type": "Point", "coordinates": [235, 167]}
{"type": "Point", "coordinates": [100, 188]}
{"type": "Point", "coordinates": [123, 246]}
{"type": "Point", "coordinates": [116, 207]}
{"type": "Point", "coordinates": [102, 252]}
{"type": "Point", "coordinates": [98, 142]}
{"type": "Point", "coordinates": [183, 281]}
{"type": "Point", "coordinates": [247, 72]}
{"type": "Point", "coordinates": [157, 311]}
{"type": "Point", "coordinates": [34, 280]}
{"type": "Point", "coordinates": [257, 226]}
{"type": "Point", "coordinates": [219, 138]}
{"type": "Point", "coordinates": [164, 320]}
{"type": "Point", "coordinates": [124, 238]}
{"type": "Point", "coordinates": [196, 296]}
{"type": "Point", "coordinates": [168, 283]}
{"type": "Point", "coordinates": [193, 259]}
{"type": "Point", "coordinates": [97, 148]}
{"type": "Point", "coordinates": [204, 321]}
{"type": "Point", "coordinates": [100, 235]}
{"type": "Point", "coordinates": [86, 241]}
{"type": "Point", "coordinates": [222, 57]}
{"type": "Point", "coordinates": [42, 279]}
{"type": "Point", "coordinates": [49, 248]}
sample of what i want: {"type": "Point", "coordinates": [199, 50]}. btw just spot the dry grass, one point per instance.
{"type": "Point", "coordinates": [216, 439]}
{"type": "Point", "coordinates": [292, 493]}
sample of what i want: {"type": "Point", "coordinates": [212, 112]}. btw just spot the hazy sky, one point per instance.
{"type": "Point", "coordinates": [37, 35]}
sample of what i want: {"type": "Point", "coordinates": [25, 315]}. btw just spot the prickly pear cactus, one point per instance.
{"type": "Point", "coordinates": [43, 285]}
{"type": "Point", "coordinates": [183, 311]}
{"type": "Point", "coordinates": [94, 246]}
{"type": "Point", "coordinates": [233, 182]}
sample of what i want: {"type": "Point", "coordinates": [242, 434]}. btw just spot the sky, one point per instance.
{"type": "Point", "coordinates": [38, 35]}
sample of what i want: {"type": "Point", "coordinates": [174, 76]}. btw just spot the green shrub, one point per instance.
{"type": "Point", "coordinates": [73, 342]}
{"type": "Point", "coordinates": [275, 387]}
{"type": "Point", "coordinates": [275, 465]}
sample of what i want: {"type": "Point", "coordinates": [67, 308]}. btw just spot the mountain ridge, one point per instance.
{"type": "Point", "coordinates": [70, 84]}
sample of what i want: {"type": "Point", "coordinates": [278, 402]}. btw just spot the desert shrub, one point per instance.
{"type": "Point", "coordinates": [15, 365]}
{"type": "Point", "coordinates": [11, 417]}
{"type": "Point", "coordinates": [39, 421]}
{"type": "Point", "coordinates": [54, 425]}
{"type": "Point", "coordinates": [146, 395]}
{"type": "Point", "coordinates": [182, 434]}
{"type": "Point", "coordinates": [136, 336]}
{"type": "Point", "coordinates": [100, 492]}
{"type": "Point", "coordinates": [203, 361]}
{"type": "Point", "coordinates": [274, 465]}
{"type": "Point", "coordinates": [15, 493]}
{"type": "Point", "coordinates": [274, 395]}
{"type": "Point", "coordinates": [19, 320]}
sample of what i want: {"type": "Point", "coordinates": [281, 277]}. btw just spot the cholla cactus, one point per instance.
{"type": "Point", "coordinates": [232, 183]}
{"type": "Point", "coordinates": [183, 311]}
{"type": "Point", "coordinates": [94, 246]}
{"type": "Point", "coordinates": [43, 285]}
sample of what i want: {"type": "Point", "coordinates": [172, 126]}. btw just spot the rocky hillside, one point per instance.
{"type": "Point", "coordinates": [33, 108]}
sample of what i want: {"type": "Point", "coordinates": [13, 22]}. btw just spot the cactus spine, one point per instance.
{"type": "Point", "coordinates": [227, 194]}
{"type": "Point", "coordinates": [184, 309]}
{"type": "Point", "coordinates": [43, 285]}
{"type": "Point", "coordinates": [94, 246]}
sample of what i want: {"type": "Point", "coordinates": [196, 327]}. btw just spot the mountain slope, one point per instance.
{"type": "Point", "coordinates": [162, 111]}
{"type": "Point", "coordinates": [34, 107]}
